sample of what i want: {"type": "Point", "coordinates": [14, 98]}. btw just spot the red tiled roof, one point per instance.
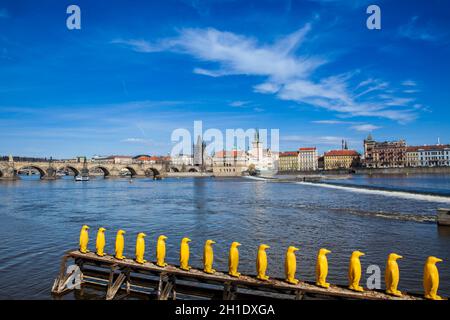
{"type": "Point", "coordinates": [428, 148]}
{"type": "Point", "coordinates": [341, 153]}
{"type": "Point", "coordinates": [307, 149]}
{"type": "Point", "coordinates": [288, 154]}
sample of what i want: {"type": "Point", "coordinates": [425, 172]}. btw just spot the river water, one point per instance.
{"type": "Point", "coordinates": [40, 220]}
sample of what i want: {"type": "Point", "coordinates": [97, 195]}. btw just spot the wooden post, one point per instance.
{"type": "Point", "coordinates": [299, 295]}
{"type": "Point", "coordinates": [114, 286]}
{"type": "Point", "coordinates": [229, 291]}
{"type": "Point", "coordinates": [166, 286]}
{"type": "Point", "coordinates": [65, 281]}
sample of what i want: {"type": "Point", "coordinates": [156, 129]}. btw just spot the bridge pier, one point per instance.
{"type": "Point", "coordinates": [49, 174]}
{"type": "Point", "coordinates": [7, 173]}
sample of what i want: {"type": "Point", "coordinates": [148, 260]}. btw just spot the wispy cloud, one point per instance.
{"type": "Point", "coordinates": [409, 83]}
{"type": "Point", "coordinates": [289, 71]}
{"type": "Point", "coordinates": [413, 30]}
{"type": "Point", "coordinates": [358, 126]}
{"type": "Point", "coordinates": [138, 45]}
{"type": "Point", "coordinates": [331, 122]}
{"type": "Point", "coordinates": [317, 140]}
{"type": "Point", "coordinates": [365, 127]}
{"type": "Point", "coordinates": [238, 103]}
{"type": "Point", "coordinates": [133, 140]}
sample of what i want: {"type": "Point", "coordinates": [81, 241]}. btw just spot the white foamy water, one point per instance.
{"type": "Point", "coordinates": [395, 194]}
{"type": "Point", "coordinates": [256, 178]}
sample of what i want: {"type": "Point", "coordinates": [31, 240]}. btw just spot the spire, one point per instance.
{"type": "Point", "coordinates": [346, 146]}
{"type": "Point", "coordinates": [342, 144]}
{"type": "Point", "coordinates": [369, 137]}
{"type": "Point", "coordinates": [257, 135]}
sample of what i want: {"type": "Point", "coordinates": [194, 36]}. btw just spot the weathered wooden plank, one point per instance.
{"type": "Point", "coordinates": [244, 281]}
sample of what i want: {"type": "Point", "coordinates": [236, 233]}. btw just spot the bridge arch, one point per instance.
{"type": "Point", "coordinates": [130, 169]}
{"type": "Point", "coordinates": [105, 170]}
{"type": "Point", "coordinates": [174, 169]}
{"type": "Point", "coordinates": [42, 172]}
{"type": "Point", "coordinates": [193, 170]}
{"type": "Point", "coordinates": [151, 172]}
{"type": "Point", "coordinates": [75, 171]}
{"type": "Point", "coordinates": [1, 172]}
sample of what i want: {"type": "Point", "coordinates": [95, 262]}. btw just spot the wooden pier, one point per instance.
{"type": "Point", "coordinates": [148, 280]}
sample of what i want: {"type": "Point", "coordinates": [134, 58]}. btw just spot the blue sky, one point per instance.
{"type": "Point", "coordinates": [138, 70]}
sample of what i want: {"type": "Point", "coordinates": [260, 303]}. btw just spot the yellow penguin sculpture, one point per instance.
{"type": "Point", "coordinates": [100, 242]}
{"type": "Point", "coordinates": [431, 278]}
{"type": "Point", "coordinates": [354, 271]}
{"type": "Point", "coordinates": [208, 257]}
{"type": "Point", "coordinates": [140, 248]}
{"type": "Point", "coordinates": [322, 268]}
{"type": "Point", "coordinates": [233, 260]}
{"type": "Point", "coordinates": [392, 275]}
{"type": "Point", "coordinates": [120, 243]}
{"type": "Point", "coordinates": [161, 251]}
{"type": "Point", "coordinates": [84, 239]}
{"type": "Point", "coordinates": [261, 262]}
{"type": "Point", "coordinates": [290, 265]}
{"type": "Point", "coordinates": [184, 254]}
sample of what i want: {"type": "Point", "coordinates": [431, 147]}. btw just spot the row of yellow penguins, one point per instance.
{"type": "Point", "coordinates": [392, 275]}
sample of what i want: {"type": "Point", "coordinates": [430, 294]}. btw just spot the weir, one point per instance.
{"type": "Point", "coordinates": [124, 277]}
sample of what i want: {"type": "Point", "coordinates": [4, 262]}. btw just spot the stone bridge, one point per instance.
{"type": "Point", "coordinates": [9, 169]}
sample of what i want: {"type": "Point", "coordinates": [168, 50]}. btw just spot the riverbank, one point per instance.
{"type": "Point", "coordinates": [373, 171]}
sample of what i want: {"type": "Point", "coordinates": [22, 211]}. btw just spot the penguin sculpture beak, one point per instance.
{"type": "Point", "coordinates": [163, 237]}
{"type": "Point", "coordinates": [295, 249]}
{"type": "Point", "coordinates": [327, 251]}
{"type": "Point", "coordinates": [237, 244]}
{"type": "Point", "coordinates": [213, 242]}
{"type": "Point", "coordinates": [439, 260]}
{"type": "Point", "coordinates": [188, 240]}
{"type": "Point", "coordinates": [144, 235]}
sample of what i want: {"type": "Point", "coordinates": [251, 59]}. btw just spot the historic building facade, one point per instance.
{"type": "Point", "coordinates": [412, 157]}
{"type": "Point", "coordinates": [434, 156]}
{"type": "Point", "coordinates": [308, 159]}
{"type": "Point", "coordinates": [387, 154]}
{"type": "Point", "coordinates": [340, 159]}
{"type": "Point", "coordinates": [261, 159]}
{"type": "Point", "coordinates": [288, 161]}
{"type": "Point", "coordinates": [229, 163]}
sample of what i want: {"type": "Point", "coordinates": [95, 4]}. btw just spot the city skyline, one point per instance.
{"type": "Point", "coordinates": [133, 74]}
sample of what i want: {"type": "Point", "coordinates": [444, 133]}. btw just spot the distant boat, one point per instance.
{"type": "Point", "coordinates": [82, 178]}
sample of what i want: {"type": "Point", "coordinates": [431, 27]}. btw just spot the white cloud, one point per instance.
{"type": "Point", "coordinates": [409, 83]}
{"type": "Point", "coordinates": [238, 103]}
{"type": "Point", "coordinates": [331, 122]}
{"type": "Point", "coordinates": [365, 127]}
{"type": "Point", "coordinates": [133, 140]}
{"type": "Point", "coordinates": [138, 45]}
{"type": "Point", "coordinates": [288, 69]}
{"type": "Point", "coordinates": [267, 88]}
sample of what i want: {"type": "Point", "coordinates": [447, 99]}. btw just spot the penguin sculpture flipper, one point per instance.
{"type": "Point", "coordinates": [392, 283]}
{"type": "Point", "coordinates": [434, 286]}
